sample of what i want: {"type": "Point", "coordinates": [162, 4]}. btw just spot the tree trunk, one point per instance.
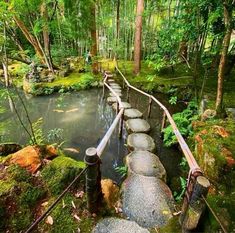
{"type": "Point", "coordinates": [32, 40]}
{"type": "Point", "coordinates": [224, 53]}
{"type": "Point", "coordinates": [4, 59]}
{"type": "Point", "coordinates": [94, 38]}
{"type": "Point", "coordinates": [46, 36]}
{"type": "Point", "coordinates": [138, 36]}
{"type": "Point", "coordinates": [118, 23]}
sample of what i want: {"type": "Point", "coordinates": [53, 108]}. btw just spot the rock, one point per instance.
{"type": "Point", "coordinates": [140, 141]}
{"type": "Point", "coordinates": [208, 114]}
{"type": "Point", "coordinates": [132, 113]}
{"type": "Point", "coordinates": [9, 148]}
{"type": "Point", "coordinates": [28, 158]}
{"type": "Point", "coordinates": [116, 225]}
{"type": "Point", "coordinates": [124, 104]}
{"type": "Point", "coordinates": [146, 164]}
{"type": "Point", "coordinates": [114, 85]}
{"type": "Point", "coordinates": [111, 100]}
{"type": "Point", "coordinates": [137, 126]}
{"type": "Point", "coordinates": [230, 112]}
{"type": "Point", "coordinates": [111, 80]}
{"type": "Point", "coordinates": [117, 93]}
{"type": "Point", "coordinates": [147, 201]}
{"type": "Point", "coordinates": [110, 192]}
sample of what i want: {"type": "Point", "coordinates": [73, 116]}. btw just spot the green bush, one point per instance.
{"type": "Point", "coordinates": [183, 121]}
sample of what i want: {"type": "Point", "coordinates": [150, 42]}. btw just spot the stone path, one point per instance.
{"type": "Point", "coordinates": [147, 201]}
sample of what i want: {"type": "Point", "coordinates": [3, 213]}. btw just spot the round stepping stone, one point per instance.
{"type": "Point", "coordinates": [111, 80]}
{"type": "Point", "coordinates": [137, 126]}
{"type": "Point", "coordinates": [146, 164]}
{"type": "Point", "coordinates": [140, 141]}
{"type": "Point", "coordinates": [118, 89]}
{"type": "Point", "coordinates": [113, 85]}
{"type": "Point", "coordinates": [147, 201]}
{"type": "Point", "coordinates": [124, 104]}
{"type": "Point", "coordinates": [117, 93]}
{"type": "Point", "coordinates": [116, 225]}
{"type": "Point", "coordinates": [132, 113]}
{"type": "Point", "coordinates": [111, 100]}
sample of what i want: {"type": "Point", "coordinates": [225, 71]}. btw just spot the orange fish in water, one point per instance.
{"type": "Point", "coordinates": [72, 110]}
{"type": "Point", "coordinates": [58, 110]}
{"type": "Point", "coordinates": [74, 150]}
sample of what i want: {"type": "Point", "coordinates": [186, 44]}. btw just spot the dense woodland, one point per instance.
{"type": "Point", "coordinates": [184, 49]}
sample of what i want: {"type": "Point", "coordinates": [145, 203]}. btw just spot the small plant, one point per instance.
{"type": "Point", "coordinates": [121, 170]}
{"type": "Point", "coordinates": [183, 184]}
{"type": "Point", "coordinates": [55, 135]}
{"type": "Point", "coordinates": [37, 129]}
{"type": "Point", "coordinates": [173, 100]}
{"type": "Point", "coordinates": [184, 164]}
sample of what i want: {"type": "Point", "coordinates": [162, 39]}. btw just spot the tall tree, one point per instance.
{"type": "Point", "coordinates": [228, 9]}
{"type": "Point", "coordinates": [138, 36]}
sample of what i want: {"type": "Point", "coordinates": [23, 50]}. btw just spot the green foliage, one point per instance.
{"type": "Point", "coordinates": [38, 133]}
{"type": "Point", "coordinates": [55, 135]}
{"type": "Point", "coordinates": [183, 184]}
{"type": "Point", "coordinates": [173, 100]}
{"type": "Point", "coordinates": [122, 170]}
{"type": "Point", "coordinates": [183, 121]}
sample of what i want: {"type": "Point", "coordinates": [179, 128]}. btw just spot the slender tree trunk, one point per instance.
{"type": "Point", "coordinates": [32, 40]}
{"type": "Point", "coordinates": [46, 36]}
{"type": "Point", "coordinates": [118, 23]}
{"type": "Point", "coordinates": [138, 36]}
{"type": "Point", "coordinates": [5, 60]}
{"type": "Point", "coordinates": [224, 53]}
{"type": "Point", "coordinates": [94, 38]}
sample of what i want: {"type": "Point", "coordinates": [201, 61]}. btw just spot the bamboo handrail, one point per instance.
{"type": "Point", "coordinates": [194, 167]}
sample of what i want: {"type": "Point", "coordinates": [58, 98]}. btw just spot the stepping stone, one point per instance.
{"type": "Point", "coordinates": [117, 93]}
{"type": "Point", "coordinates": [137, 126]}
{"type": "Point", "coordinates": [111, 80]}
{"type": "Point", "coordinates": [114, 85]}
{"type": "Point", "coordinates": [118, 89]}
{"type": "Point", "coordinates": [146, 164]}
{"type": "Point", "coordinates": [117, 225]}
{"type": "Point", "coordinates": [147, 201]}
{"type": "Point", "coordinates": [132, 113]}
{"type": "Point", "coordinates": [125, 105]}
{"type": "Point", "coordinates": [111, 100]}
{"type": "Point", "coordinates": [140, 141]}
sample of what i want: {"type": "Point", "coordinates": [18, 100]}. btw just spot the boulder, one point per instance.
{"type": "Point", "coordinates": [9, 148]}
{"type": "Point", "coordinates": [111, 100]}
{"type": "Point", "coordinates": [146, 164]}
{"type": "Point", "coordinates": [124, 104]}
{"type": "Point", "coordinates": [147, 201]}
{"type": "Point", "coordinates": [116, 225]}
{"type": "Point", "coordinates": [140, 141]}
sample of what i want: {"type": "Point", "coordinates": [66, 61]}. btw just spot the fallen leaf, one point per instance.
{"type": "Point", "coordinates": [44, 203]}
{"type": "Point", "coordinates": [49, 220]}
{"type": "Point", "coordinates": [73, 205]}
{"type": "Point", "coordinates": [77, 217]}
{"type": "Point", "coordinates": [79, 194]}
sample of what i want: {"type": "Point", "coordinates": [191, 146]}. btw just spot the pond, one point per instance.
{"type": "Point", "coordinates": [80, 120]}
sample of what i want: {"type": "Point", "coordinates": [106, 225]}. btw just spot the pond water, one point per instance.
{"type": "Point", "coordinates": [80, 120]}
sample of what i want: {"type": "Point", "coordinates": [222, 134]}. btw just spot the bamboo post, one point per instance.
{"type": "Point", "coordinates": [121, 125]}
{"type": "Point", "coordinates": [191, 215]}
{"type": "Point", "coordinates": [150, 107]}
{"type": "Point", "coordinates": [163, 121]}
{"type": "Point", "coordinates": [128, 94]}
{"type": "Point", "coordinates": [117, 109]}
{"type": "Point", "coordinates": [93, 179]}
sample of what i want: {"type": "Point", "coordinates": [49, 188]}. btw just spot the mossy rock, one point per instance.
{"type": "Point", "coordinates": [60, 172]}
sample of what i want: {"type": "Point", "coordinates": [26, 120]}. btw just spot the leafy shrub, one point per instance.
{"type": "Point", "coordinates": [121, 170]}
{"type": "Point", "coordinates": [183, 121]}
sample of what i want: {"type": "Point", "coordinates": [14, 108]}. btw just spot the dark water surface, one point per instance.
{"type": "Point", "coordinates": [82, 119]}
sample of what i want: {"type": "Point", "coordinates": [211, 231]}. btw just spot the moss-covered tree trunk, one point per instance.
{"type": "Point", "coordinates": [223, 59]}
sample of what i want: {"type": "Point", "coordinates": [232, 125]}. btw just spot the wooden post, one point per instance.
{"type": "Point", "coordinates": [128, 94]}
{"type": "Point", "coordinates": [117, 109]}
{"type": "Point", "coordinates": [150, 107]}
{"type": "Point", "coordinates": [163, 121]}
{"type": "Point", "coordinates": [121, 125]}
{"type": "Point", "coordinates": [191, 214]}
{"type": "Point", "coordinates": [93, 180]}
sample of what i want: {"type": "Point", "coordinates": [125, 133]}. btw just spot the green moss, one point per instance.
{"type": "Point", "coordinates": [6, 186]}
{"type": "Point", "coordinates": [60, 172]}
{"type": "Point", "coordinates": [18, 173]}
{"type": "Point", "coordinates": [172, 226]}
